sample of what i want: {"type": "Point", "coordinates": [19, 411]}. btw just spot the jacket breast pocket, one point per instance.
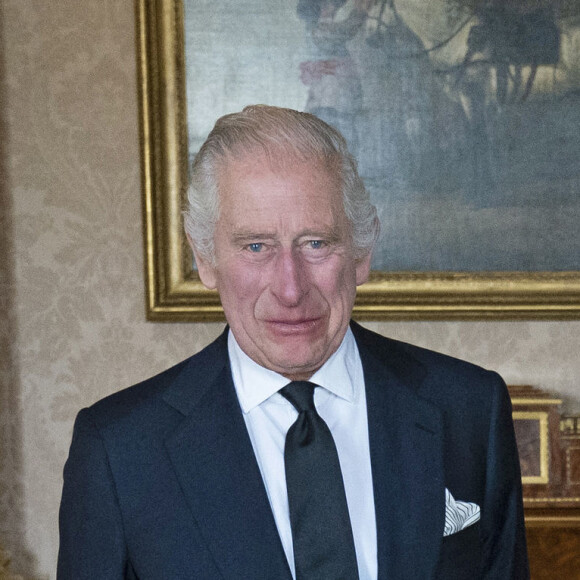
{"type": "Point", "coordinates": [460, 557]}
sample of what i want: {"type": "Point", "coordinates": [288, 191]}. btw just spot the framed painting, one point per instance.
{"type": "Point", "coordinates": [464, 116]}
{"type": "Point", "coordinates": [531, 430]}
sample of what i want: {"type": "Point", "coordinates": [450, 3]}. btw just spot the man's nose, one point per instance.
{"type": "Point", "coordinates": [288, 282]}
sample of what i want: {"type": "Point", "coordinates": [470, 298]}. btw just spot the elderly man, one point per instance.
{"type": "Point", "coordinates": [298, 444]}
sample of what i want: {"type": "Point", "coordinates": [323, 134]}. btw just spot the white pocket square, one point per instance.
{"type": "Point", "coordinates": [459, 514]}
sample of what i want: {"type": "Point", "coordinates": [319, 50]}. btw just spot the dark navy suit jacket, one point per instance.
{"type": "Point", "coordinates": [161, 482]}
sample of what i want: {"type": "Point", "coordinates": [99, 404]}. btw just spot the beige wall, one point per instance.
{"type": "Point", "coordinates": [72, 326]}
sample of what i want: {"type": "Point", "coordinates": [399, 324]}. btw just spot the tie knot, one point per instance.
{"type": "Point", "coordinates": [300, 394]}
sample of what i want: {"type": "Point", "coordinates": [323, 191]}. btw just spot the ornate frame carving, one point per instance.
{"type": "Point", "coordinates": [174, 292]}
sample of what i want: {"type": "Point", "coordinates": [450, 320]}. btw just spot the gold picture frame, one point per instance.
{"type": "Point", "coordinates": [174, 292]}
{"type": "Point", "coordinates": [532, 436]}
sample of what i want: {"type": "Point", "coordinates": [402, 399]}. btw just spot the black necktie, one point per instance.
{"type": "Point", "coordinates": [321, 531]}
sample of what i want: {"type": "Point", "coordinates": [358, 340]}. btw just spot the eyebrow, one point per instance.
{"type": "Point", "coordinates": [248, 236]}
{"type": "Point", "coordinates": [332, 235]}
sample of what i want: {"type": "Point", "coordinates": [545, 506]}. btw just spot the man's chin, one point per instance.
{"type": "Point", "coordinates": [296, 361]}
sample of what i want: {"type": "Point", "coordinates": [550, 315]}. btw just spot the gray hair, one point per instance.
{"type": "Point", "coordinates": [279, 133]}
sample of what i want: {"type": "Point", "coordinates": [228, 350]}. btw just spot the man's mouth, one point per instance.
{"type": "Point", "coordinates": [293, 326]}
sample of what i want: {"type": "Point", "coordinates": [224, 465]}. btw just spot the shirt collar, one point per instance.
{"type": "Point", "coordinates": [255, 383]}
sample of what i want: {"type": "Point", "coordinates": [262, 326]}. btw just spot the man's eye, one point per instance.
{"type": "Point", "coordinates": [316, 244]}
{"type": "Point", "coordinates": [256, 247]}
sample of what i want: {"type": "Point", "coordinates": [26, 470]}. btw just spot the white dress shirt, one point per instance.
{"type": "Point", "coordinates": [342, 404]}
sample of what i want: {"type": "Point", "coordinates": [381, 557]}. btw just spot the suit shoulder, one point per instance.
{"type": "Point", "coordinates": [423, 366]}
{"type": "Point", "coordinates": [388, 347]}
{"type": "Point", "coordinates": [147, 394]}
{"type": "Point", "coordinates": [149, 388]}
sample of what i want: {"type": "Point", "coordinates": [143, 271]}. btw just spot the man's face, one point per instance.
{"type": "Point", "coordinates": [284, 265]}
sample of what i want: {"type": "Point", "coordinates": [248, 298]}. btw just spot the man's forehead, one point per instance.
{"type": "Point", "coordinates": [250, 182]}
{"type": "Point", "coordinates": [279, 161]}
{"type": "Point", "coordinates": [261, 197]}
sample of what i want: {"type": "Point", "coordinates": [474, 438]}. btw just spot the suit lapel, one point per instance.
{"type": "Point", "coordinates": [214, 461]}
{"type": "Point", "coordinates": [406, 444]}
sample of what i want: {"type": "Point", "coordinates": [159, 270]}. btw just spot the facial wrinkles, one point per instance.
{"type": "Point", "coordinates": [291, 282]}
{"type": "Point", "coordinates": [287, 302]}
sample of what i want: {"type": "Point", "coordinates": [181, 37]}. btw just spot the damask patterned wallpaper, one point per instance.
{"type": "Point", "coordinates": [72, 325]}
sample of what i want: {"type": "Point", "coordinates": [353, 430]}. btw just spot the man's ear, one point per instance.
{"type": "Point", "coordinates": [363, 269]}
{"type": "Point", "coordinates": [206, 270]}
{"type": "Point", "coordinates": [363, 265]}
